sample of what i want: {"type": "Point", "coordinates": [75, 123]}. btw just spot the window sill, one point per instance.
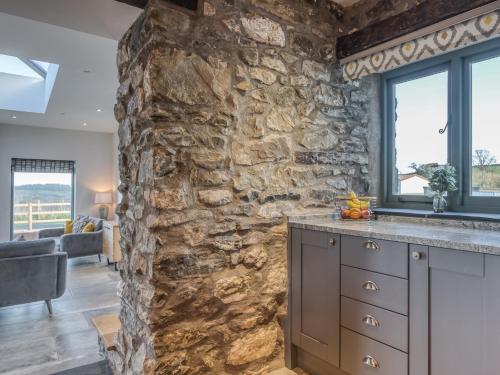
{"type": "Point", "coordinates": [445, 215]}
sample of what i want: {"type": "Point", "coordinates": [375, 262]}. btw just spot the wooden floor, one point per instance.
{"type": "Point", "coordinates": [32, 343]}
{"type": "Point", "coordinates": [285, 371]}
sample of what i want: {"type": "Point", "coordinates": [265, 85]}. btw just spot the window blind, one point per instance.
{"type": "Point", "coordinates": [461, 31]}
{"type": "Point", "coordinates": [42, 166]}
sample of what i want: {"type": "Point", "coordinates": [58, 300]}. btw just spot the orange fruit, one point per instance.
{"type": "Point", "coordinates": [345, 213]}
{"type": "Point", "coordinates": [355, 214]}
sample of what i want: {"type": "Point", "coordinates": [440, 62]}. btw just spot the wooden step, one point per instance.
{"type": "Point", "coordinates": [107, 326]}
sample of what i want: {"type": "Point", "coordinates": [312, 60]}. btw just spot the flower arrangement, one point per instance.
{"type": "Point", "coordinates": [442, 181]}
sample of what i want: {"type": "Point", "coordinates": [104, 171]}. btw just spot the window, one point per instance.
{"type": "Point", "coordinates": [42, 195]}
{"type": "Point", "coordinates": [485, 127]}
{"type": "Point", "coordinates": [20, 67]}
{"type": "Point", "coordinates": [444, 110]}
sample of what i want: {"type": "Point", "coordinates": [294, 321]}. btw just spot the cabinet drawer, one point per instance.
{"type": "Point", "coordinates": [384, 291]}
{"type": "Point", "coordinates": [379, 324]}
{"type": "Point", "coordinates": [375, 255]}
{"type": "Point", "coordinates": [363, 356]}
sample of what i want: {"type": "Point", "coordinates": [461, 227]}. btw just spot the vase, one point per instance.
{"type": "Point", "coordinates": [439, 203]}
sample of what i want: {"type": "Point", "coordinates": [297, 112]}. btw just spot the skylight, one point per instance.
{"type": "Point", "coordinates": [42, 64]}
{"type": "Point", "coordinates": [26, 84]}
{"type": "Point", "coordinates": [16, 66]}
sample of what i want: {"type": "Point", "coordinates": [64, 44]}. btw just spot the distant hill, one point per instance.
{"type": "Point", "coordinates": [45, 193]}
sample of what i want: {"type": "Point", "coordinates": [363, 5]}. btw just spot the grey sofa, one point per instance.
{"type": "Point", "coordinates": [77, 244]}
{"type": "Point", "coordinates": [31, 271]}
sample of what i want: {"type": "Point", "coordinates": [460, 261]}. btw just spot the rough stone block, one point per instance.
{"type": "Point", "coordinates": [256, 345]}
{"type": "Point", "coordinates": [215, 197]}
{"type": "Point", "coordinates": [269, 149]}
{"type": "Point", "coordinates": [264, 30]}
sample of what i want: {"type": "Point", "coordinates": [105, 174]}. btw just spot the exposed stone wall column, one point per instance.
{"type": "Point", "coordinates": [228, 122]}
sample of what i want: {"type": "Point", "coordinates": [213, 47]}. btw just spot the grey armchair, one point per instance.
{"type": "Point", "coordinates": [77, 244]}
{"type": "Point", "coordinates": [31, 271]}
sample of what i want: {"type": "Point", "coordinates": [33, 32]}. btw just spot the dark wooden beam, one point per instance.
{"type": "Point", "coordinates": [188, 4]}
{"type": "Point", "coordinates": [425, 14]}
{"type": "Point", "coordinates": [135, 3]}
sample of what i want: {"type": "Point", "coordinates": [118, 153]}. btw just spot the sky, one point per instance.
{"type": "Point", "coordinates": [21, 178]}
{"type": "Point", "coordinates": [422, 105]}
{"type": "Point", "coordinates": [422, 110]}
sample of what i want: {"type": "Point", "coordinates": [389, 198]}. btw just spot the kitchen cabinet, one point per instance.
{"type": "Point", "coordinates": [315, 301]}
{"type": "Point", "coordinates": [362, 306]}
{"type": "Point", "coordinates": [454, 312]}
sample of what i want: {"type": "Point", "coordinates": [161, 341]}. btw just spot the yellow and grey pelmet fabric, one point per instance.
{"type": "Point", "coordinates": [472, 31]}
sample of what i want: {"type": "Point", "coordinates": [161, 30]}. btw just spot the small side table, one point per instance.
{"type": "Point", "coordinates": [111, 242]}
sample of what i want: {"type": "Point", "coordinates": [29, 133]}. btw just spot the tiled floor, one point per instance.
{"type": "Point", "coordinates": [32, 343]}
{"type": "Point", "coordinates": [98, 368]}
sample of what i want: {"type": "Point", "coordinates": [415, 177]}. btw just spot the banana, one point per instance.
{"type": "Point", "coordinates": [354, 202]}
{"type": "Point", "coordinates": [357, 204]}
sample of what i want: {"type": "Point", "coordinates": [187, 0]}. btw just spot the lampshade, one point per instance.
{"type": "Point", "coordinates": [103, 198]}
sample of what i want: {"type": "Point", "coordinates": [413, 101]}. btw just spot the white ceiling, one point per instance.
{"type": "Point", "coordinates": [79, 35]}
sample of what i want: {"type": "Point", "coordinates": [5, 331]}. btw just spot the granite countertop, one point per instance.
{"type": "Point", "coordinates": [450, 237]}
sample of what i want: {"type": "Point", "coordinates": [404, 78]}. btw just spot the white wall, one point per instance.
{"type": "Point", "coordinates": [93, 153]}
{"type": "Point", "coordinates": [413, 185]}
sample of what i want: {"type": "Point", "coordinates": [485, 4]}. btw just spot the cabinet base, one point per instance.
{"type": "Point", "coordinates": [313, 365]}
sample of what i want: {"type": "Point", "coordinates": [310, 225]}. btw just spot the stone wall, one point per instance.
{"type": "Point", "coordinates": [229, 121]}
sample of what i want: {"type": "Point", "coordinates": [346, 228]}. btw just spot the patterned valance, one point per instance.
{"type": "Point", "coordinates": [42, 166]}
{"type": "Point", "coordinates": [474, 30]}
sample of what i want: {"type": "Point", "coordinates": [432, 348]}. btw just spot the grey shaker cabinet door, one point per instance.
{"type": "Point", "coordinates": [315, 294]}
{"type": "Point", "coordinates": [454, 297]}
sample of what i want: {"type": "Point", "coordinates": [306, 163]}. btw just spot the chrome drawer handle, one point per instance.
{"type": "Point", "coordinates": [371, 321]}
{"type": "Point", "coordinates": [332, 241]}
{"type": "Point", "coordinates": [371, 245]}
{"type": "Point", "coordinates": [370, 362]}
{"type": "Point", "coordinates": [371, 286]}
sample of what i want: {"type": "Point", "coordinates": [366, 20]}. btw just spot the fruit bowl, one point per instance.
{"type": "Point", "coordinates": [353, 207]}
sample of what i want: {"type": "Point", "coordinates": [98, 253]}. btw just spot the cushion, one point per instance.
{"type": "Point", "coordinates": [97, 223]}
{"type": "Point", "coordinates": [68, 227]}
{"type": "Point", "coordinates": [26, 248]}
{"type": "Point", "coordinates": [79, 223]}
{"type": "Point", "coordinates": [89, 227]}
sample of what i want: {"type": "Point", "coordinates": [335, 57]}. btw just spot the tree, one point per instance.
{"type": "Point", "coordinates": [482, 159]}
{"type": "Point", "coordinates": [424, 170]}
